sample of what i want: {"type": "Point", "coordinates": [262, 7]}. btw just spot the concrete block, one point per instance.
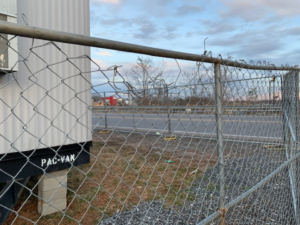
{"type": "Point", "coordinates": [53, 194]}
{"type": "Point", "coordinates": [54, 206]}
{"type": "Point", "coordinates": [58, 173]}
{"type": "Point", "coordinates": [53, 180]}
{"type": "Point", "coordinates": [55, 185]}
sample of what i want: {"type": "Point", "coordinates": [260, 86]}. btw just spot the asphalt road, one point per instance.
{"type": "Point", "coordinates": [233, 125]}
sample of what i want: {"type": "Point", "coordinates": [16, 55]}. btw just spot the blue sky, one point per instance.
{"type": "Point", "coordinates": [244, 29]}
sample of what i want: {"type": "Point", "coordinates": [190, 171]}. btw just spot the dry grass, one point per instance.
{"type": "Point", "coordinates": [123, 172]}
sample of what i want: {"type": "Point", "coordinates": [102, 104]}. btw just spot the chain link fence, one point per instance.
{"type": "Point", "coordinates": [214, 143]}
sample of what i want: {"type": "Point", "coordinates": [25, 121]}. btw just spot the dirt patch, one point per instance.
{"type": "Point", "coordinates": [128, 169]}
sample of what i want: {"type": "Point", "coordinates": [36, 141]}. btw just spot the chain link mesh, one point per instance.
{"type": "Point", "coordinates": [154, 158]}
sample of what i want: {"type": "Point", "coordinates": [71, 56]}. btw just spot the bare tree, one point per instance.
{"type": "Point", "coordinates": [147, 77]}
{"type": "Point", "coordinates": [229, 87]}
{"type": "Point", "coordinates": [193, 81]}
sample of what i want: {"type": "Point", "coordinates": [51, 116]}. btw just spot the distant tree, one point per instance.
{"type": "Point", "coordinates": [194, 88]}
{"type": "Point", "coordinates": [96, 98]}
{"type": "Point", "coordinates": [229, 87]}
{"type": "Point", "coordinates": [147, 78]}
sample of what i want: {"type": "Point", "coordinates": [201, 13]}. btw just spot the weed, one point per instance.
{"type": "Point", "coordinates": [211, 186]}
{"type": "Point", "coordinates": [205, 178]}
{"type": "Point", "coordinates": [90, 174]}
{"type": "Point", "coordinates": [246, 188]}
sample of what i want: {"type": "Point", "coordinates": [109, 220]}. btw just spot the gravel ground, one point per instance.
{"type": "Point", "coordinates": [272, 204]}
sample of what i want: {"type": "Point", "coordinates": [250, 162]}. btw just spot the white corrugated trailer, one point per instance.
{"type": "Point", "coordinates": [45, 116]}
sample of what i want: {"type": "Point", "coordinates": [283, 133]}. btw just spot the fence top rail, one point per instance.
{"type": "Point", "coordinates": [70, 38]}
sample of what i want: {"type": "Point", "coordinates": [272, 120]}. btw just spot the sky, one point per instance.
{"type": "Point", "coordinates": [258, 30]}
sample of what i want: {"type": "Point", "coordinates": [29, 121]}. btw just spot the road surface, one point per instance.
{"type": "Point", "coordinates": [233, 125]}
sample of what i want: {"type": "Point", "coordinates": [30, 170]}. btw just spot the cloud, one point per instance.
{"type": "Point", "coordinates": [169, 32]}
{"type": "Point", "coordinates": [186, 10]}
{"type": "Point", "coordinates": [156, 8]}
{"type": "Point", "coordinates": [290, 57]}
{"type": "Point", "coordinates": [94, 17]}
{"type": "Point", "coordinates": [171, 36]}
{"type": "Point", "coordinates": [263, 43]}
{"type": "Point", "coordinates": [192, 33]}
{"type": "Point", "coordinates": [280, 7]}
{"type": "Point", "coordinates": [143, 28]}
{"type": "Point", "coordinates": [217, 27]}
{"type": "Point", "coordinates": [212, 29]}
{"type": "Point", "coordinates": [115, 21]}
{"type": "Point", "coordinates": [171, 28]}
{"type": "Point", "coordinates": [248, 10]}
{"type": "Point", "coordinates": [103, 53]}
{"type": "Point", "coordinates": [146, 29]}
{"type": "Point", "coordinates": [293, 31]}
{"type": "Point", "coordinates": [259, 48]}
{"type": "Point", "coordinates": [254, 10]}
{"type": "Point", "coordinates": [98, 63]}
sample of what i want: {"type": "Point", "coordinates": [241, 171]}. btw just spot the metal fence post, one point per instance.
{"type": "Point", "coordinates": [133, 109]}
{"type": "Point", "coordinates": [169, 119]}
{"type": "Point", "coordinates": [297, 145]}
{"type": "Point", "coordinates": [270, 92]}
{"type": "Point", "coordinates": [105, 111]}
{"type": "Point", "coordinates": [290, 126]}
{"type": "Point", "coordinates": [218, 102]}
{"type": "Point", "coordinates": [297, 102]}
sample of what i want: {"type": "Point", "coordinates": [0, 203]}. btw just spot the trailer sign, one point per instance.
{"type": "Point", "coordinates": [31, 163]}
{"type": "Point", "coordinates": [57, 159]}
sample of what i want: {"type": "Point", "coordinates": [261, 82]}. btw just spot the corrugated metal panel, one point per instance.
{"type": "Point", "coordinates": [51, 107]}
{"type": "Point", "coordinates": [8, 7]}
